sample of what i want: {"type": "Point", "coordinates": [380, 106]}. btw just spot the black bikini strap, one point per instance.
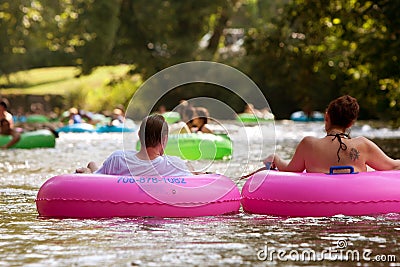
{"type": "Point", "coordinates": [341, 144]}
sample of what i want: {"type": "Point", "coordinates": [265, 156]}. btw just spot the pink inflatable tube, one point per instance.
{"type": "Point", "coordinates": [105, 196]}
{"type": "Point", "coordinates": [313, 194]}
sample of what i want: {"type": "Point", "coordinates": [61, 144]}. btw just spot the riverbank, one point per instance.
{"type": "Point", "coordinates": [58, 88]}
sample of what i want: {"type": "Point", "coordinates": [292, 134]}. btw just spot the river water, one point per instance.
{"type": "Point", "coordinates": [230, 240]}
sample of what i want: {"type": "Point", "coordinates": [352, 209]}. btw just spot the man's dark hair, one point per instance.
{"type": "Point", "coordinates": [152, 130]}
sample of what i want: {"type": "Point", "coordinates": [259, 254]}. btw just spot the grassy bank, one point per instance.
{"type": "Point", "coordinates": [104, 88]}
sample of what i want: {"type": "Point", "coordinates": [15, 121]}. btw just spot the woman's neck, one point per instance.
{"type": "Point", "coordinates": [335, 130]}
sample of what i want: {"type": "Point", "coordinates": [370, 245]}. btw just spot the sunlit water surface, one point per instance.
{"type": "Point", "coordinates": [231, 240]}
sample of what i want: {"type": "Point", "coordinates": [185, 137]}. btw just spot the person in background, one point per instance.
{"type": "Point", "coordinates": [20, 117]}
{"type": "Point", "coordinates": [250, 109]}
{"type": "Point", "coordinates": [149, 160]}
{"type": "Point", "coordinates": [117, 117]}
{"type": "Point", "coordinates": [74, 116]}
{"type": "Point", "coordinates": [37, 109]}
{"type": "Point", "coordinates": [200, 120]}
{"type": "Point", "coordinates": [161, 109]}
{"type": "Point", "coordinates": [7, 125]}
{"type": "Point", "coordinates": [264, 113]}
{"type": "Point", "coordinates": [186, 111]}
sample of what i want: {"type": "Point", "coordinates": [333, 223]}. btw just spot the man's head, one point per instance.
{"type": "Point", "coordinates": [153, 131]}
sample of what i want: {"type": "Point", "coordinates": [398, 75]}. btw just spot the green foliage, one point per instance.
{"type": "Point", "coordinates": [110, 95]}
{"type": "Point", "coordinates": [12, 37]}
{"type": "Point", "coordinates": [312, 52]}
{"type": "Point", "coordinates": [96, 30]}
{"type": "Point", "coordinates": [157, 35]}
{"type": "Point", "coordinates": [106, 95]}
{"type": "Point", "coordinates": [301, 53]}
{"type": "Point", "coordinates": [103, 89]}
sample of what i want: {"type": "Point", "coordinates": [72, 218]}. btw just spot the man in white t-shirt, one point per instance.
{"type": "Point", "coordinates": [149, 160]}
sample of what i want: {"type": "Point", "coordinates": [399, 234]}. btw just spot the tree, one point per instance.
{"type": "Point", "coordinates": [95, 32]}
{"type": "Point", "coordinates": [162, 34]}
{"type": "Point", "coordinates": [14, 31]}
{"type": "Point", "coordinates": [312, 52]}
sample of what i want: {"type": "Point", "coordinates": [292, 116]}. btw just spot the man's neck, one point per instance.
{"type": "Point", "coordinates": [148, 153]}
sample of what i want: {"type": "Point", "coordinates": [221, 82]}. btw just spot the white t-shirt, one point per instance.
{"type": "Point", "coordinates": [127, 164]}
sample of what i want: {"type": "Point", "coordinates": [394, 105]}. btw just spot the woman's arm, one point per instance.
{"type": "Point", "coordinates": [205, 129]}
{"type": "Point", "coordinates": [297, 163]}
{"type": "Point", "coordinates": [378, 160]}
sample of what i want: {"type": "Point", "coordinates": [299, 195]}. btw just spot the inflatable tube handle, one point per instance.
{"type": "Point", "coordinates": [333, 168]}
{"type": "Point", "coordinates": [268, 165]}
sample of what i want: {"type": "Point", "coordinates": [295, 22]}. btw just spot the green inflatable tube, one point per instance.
{"type": "Point", "coordinates": [171, 116]}
{"type": "Point", "coordinates": [34, 139]}
{"type": "Point", "coordinates": [251, 118]}
{"type": "Point", "coordinates": [36, 119]}
{"type": "Point", "coordinates": [198, 146]}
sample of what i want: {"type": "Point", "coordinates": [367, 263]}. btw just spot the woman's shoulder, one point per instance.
{"type": "Point", "coordinates": [310, 140]}
{"type": "Point", "coordinates": [365, 143]}
{"type": "Point", "coordinates": [361, 140]}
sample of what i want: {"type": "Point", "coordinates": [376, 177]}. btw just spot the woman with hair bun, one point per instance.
{"type": "Point", "coordinates": [337, 148]}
